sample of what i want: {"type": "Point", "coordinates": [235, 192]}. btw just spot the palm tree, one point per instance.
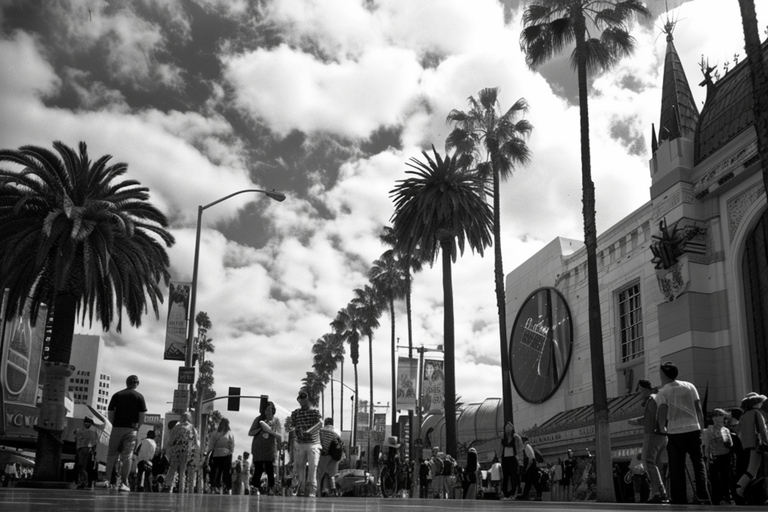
{"type": "Point", "coordinates": [410, 264]}
{"type": "Point", "coordinates": [73, 237]}
{"type": "Point", "coordinates": [493, 142]}
{"type": "Point", "coordinates": [313, 384]}
{"type": "Point", "coordinates": [759, 77]}
{"type": "Point", "coordinates": [441, 207]}
{"type": "Point", "coordinates": [347, 327]}
{"type": "Point", "coordinates": [205, 368]}
{"type": "Point", "coordinates": [328, 352]}
{"type": "Point", "coordinates": [367, 303]}
{"type": "Point", "coordinates": [550, 26]}
{"type": "Point", "coordinates": [388, 278]}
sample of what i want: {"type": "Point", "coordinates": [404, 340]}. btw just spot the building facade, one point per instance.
{"type": "Point", "coordinates": [89, 383]}
{"type": "Point", "coordinates": [684, 278]}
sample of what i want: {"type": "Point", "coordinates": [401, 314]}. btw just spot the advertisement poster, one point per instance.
{"type": "Point", "coordinates": [176, 328]}
{"type": "Point", "coordinates": [20, 362]}
{"type": "Point", "coordinates": [433, 386]}
{"type": "Point", "coordinates": [407, 374]}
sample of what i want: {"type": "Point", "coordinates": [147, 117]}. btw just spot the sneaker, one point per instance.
{"type": "Point", "coordinates": [123, 488]}
{"type": "Point", "coordinates": [311, 495]}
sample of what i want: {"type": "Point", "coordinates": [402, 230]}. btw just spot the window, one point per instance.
{"type": "Point", "coordinates": [631, 323]}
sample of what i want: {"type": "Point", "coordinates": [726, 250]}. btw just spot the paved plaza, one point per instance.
{"type": "Point", "coordinates": [39, 500]}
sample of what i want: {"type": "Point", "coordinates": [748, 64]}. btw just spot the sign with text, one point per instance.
{"type": "Point", "coordinates": [186, 374]}
{"type": "Point", "coordinates": [180, 399]}
{"type": "Point", "coordinates": [433, 386]}
{"type": "Point", "coordinates": [407, 375]}
{"type": "Point", "coordinates": [176, 327]}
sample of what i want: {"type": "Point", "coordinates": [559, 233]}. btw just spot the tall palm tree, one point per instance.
{"type": "Point", "coordinates": [441, 207]}
{"type": "Point", "coordinates": [493, 142]}
{"type": "Point", "coordinates": [205, 368]}
{"type": "Point", "coordinates": [314, 386]}
{"type": "Point", "coordinates": [550, 26]}
{"type": "Point", "coordinates": [410, 264]}
{"type": "Point", "coordinates": [368, 304]}
{"type": "Point", "coordinates": [328, 352]}
{"type": "Point", "coordinates": [347, 327]}
{"type": "Point", "coordinates": [759, 76]}
{"type": "Point", "coordinates": [388, 278]}
{"type": "Point", "coordinates": [73, 237]}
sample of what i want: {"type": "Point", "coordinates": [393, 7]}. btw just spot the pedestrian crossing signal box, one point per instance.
{"type": "Point", "coordinates": [233, 400]}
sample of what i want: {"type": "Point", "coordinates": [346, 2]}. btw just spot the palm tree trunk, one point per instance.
{"type": "Point", "coordinates": [333, 413]}
{"type": "Point", "coordinates": [411, 427]}
{"type": "Point", "coordinates": [448, 339]}
{"type": "Point", "coordinates": [501, 304]}
{"type": "Point", "coordinates": [354, 411]}
{"type": "Point", "coordinates": [759, 78]}
{"type": "Point", "coordinates": [341, 398]}
{"type": "Point", "coordinates": [393, 368]}
{"type": "Point", "coordinates": [370, 404]}
{"type": "Point", "coordinates": [55, 376]}
{"type": "Point", "coordinates": [604, 468]}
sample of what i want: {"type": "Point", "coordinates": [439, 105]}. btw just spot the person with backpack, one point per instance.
{"type": "Point", "coordinates": [531, 476]}
{"type": "Point", "coordinates": [331, 451]}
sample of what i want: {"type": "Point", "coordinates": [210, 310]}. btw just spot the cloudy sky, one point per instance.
{"type": "Point", "coordinates": [325, 100]}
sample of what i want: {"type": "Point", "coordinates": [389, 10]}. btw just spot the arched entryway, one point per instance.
{"type": "Point", "coordinates": [755, 274]}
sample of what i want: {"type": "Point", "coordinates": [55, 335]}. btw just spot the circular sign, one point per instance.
{"type": "Point", "coordinates": [540, 345]}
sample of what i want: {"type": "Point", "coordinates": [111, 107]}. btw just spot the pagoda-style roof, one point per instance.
{"type": "Point", "coordinates": [679, 114]}
{"type": "Point", "coordinates": [727, 111]}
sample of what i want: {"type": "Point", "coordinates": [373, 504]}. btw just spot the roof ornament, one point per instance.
{"type": "Point", "coordinates": [709, 78]}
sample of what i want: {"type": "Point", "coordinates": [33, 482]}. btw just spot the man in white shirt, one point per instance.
{"type": "Point", "coordinates": [681, 419]}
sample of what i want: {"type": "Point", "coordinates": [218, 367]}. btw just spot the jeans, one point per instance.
{"type": "Point", "coordinates": [306, 454]}
{"type": "Point", "coordinates": [84, 463]}
{"type": "Point", "coordinates": [221, 468]}
{"type": "Point", "coordinates": [653, 445]}
{"type": "Point", "coordinates": [678, 446]}
{"type": "Point", "coordinates": [510, 468]}
{"type": "Point", "coordinates": [262, 466]}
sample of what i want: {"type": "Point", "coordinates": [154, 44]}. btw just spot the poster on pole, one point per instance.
{"type": "Point", "coordinates": [176, 327]}
{"type": "Point", "coordinates": [407, 373]}
{"type": "Point", "coordinates": [433, 386]}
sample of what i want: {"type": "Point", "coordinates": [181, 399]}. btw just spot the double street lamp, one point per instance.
{"type": "Point", "coordinates": [277, 196]}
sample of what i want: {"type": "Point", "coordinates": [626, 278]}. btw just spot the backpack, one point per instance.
{"type": "Point", "coordinates": [538, 455]}
{"type": "Point", "coordinates": [336, 449]}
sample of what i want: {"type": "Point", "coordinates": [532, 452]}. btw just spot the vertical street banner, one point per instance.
{"type": "Point", "coordinates": [176, 327]}
{"type": "Point", "coordinates": [433, 386]}
{"type": "Point", "coordinates": [20, 363]}
{"type": "Point", "coordinates": [407, 375]}
{"type": "Point", "coordinates": [379, 428]}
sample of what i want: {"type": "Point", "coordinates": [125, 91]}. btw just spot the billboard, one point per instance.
{"type": "Point", "coordinates": [20, 362]}
{"type": "Point", "coordinates": [176, 326]}
{"type": "Point", "coordinates": [407, 376]}
{"type": "Point", "coordinates": [433, 386]}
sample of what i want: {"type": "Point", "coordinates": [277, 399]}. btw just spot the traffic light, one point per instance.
{"type": "Point", "coordinates": [233, 402]}
{"type": "Point", "coordinates": [263, 403]}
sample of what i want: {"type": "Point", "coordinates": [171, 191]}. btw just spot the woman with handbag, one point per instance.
{"type": "Point", "coordinates": [754, 438]}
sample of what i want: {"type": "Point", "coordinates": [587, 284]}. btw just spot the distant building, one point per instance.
{"type": "Point", "coordinates": [89, 383]}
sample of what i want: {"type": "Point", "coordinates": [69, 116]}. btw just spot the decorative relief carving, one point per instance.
{"type": "Point", "coordinates": [738, 206]}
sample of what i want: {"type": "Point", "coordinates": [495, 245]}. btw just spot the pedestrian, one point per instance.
{"type": "Point", "coordinates": [306, 423]}
{"type": "Point", "coordinates": [243, 485]}
{"type": "Point", "coordinates": [331, 449]}
{"type": "Point", "coordinates": [264, 447]}
{"type": "Point", "coordinates": [86, 441]}
{"type": "Point", "coordinates": [436, 469]}
{"type": "Point", "coordinates": [470, 475]}
{"type": "Point", "coordinates": [654, 442]}
{"type": "Point", "coordinates": [126, 411]}
{"type": "Point", "coordinates": [754, 439]}
{"type": "Point", "coordinates": [160, 465]}
{"type": "Point", "coordinates": [717, 442]}
{"type": "Point", "coordinates": [145, 452]}
{"type": "Point", "coordinates": [531, 475]}
{"type": "Point", "coordinates": [424, 478]}
{"type": "Point", "coordinates": [511, 454]}
{"type": "Point", "coordinates": [494, 475]}
{"type": "Point", "coordinates": [184, 443]}
{"type": "Point", "coordinates": [566, 482]}
{"type": "Point", "coordinates": [221, 446]}
{"type": "Point", "coordinates": [681, 418]}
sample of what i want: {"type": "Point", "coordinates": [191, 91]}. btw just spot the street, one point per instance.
{"type": "Point", "coordinates": [39, 500]}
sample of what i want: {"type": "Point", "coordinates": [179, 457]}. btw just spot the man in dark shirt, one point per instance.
{"type": "Point", "coordinates": [126, 412]}
{"type": "Point", "coordinates": [306, 423]}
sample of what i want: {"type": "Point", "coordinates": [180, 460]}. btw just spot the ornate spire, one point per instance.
{"type": "Point", "coordinates": [679, 114]}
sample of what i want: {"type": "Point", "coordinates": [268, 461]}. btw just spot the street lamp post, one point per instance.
{"type": "Point", "coordinates": [277, 196]}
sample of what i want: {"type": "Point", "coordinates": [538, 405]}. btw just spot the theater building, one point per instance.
{"type": "Point", "coordinates": [684, 278]}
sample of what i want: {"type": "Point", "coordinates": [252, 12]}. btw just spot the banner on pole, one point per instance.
{"type": "Point", "coordinates": [407, 373]}
{"type": "Point", "coordinates": [176, 328]}
{"type": "Point", "coordinates": [433, 386]}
